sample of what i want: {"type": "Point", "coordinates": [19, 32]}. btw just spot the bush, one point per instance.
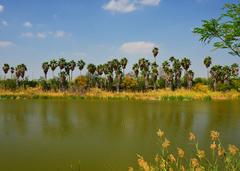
{"type": "Point", "coordinates": [200, 80]}
{"type": "Point", "coordinates": [54, 84]}
{"type": "Point", "coordinates": [44, 85]}
{"type": "Point", "coordinates": [129, 83]}
{"type": "Point", "coordinates": [200, 87]}
{"type": "Point", "coordinates": [9, 84]}
{"type": "Point", "coordinates": [235, 84]}
{"type": "Point", "coordinates": [223, 87]}
{"type": "Point", "coordinates": [161, 83]}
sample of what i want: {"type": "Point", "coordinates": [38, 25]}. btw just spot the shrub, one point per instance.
{"type": "Point", "coordinates": [9, 84]}
{"type": "Point", "coordinates": [200, 87]}
{"type": "Point", "coordinates": [198, 80]}
{"type": "Point", "coordinates": [129, 83]}
{"type": "Point", "coordinates": [161, 83]}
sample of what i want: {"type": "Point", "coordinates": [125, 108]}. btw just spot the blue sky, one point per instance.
{"type": "Point", "coordinates": [34, 31]}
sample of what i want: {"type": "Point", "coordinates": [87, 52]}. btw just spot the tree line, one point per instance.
{"type": "Point", "coordinates": [173, 73]}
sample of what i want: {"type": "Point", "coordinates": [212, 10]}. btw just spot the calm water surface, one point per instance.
{"type": "Point", "coordinates": [51, 135]}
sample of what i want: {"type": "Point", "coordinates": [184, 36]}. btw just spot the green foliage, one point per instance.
{"type": "Point", "coordinates": [224, 31]}
{"type": "Point", "coordinates": [8, 84]}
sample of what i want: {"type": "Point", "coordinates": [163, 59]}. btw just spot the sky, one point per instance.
{"type": "Point", "coordinates": [34, 31]}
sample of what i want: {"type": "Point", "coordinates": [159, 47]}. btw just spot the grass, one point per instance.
{"type": "Point", "coordinates": [219, 158]}
{"type": "Point", "coordinates": [163, 94]}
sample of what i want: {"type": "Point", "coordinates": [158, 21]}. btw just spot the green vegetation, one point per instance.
{"type": "Point", "coordinates": [219, 158]}
{"type": "Point", "coordinates": [223, 31]}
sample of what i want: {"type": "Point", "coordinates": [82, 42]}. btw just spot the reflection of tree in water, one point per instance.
{"type": "Point", "coordinates": [15, 116]}
{"type": "Point", "coordinates": [224, 116]}
{"type": "Point", "coordinates": [55, 118]}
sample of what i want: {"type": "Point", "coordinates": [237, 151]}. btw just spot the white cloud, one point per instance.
{"type": "Point", "coordinates": [1, 8]}
{"type": "Point", "coordinates": [122, 6]}
{"type": "Point", "coordinates": [27, 34]}
{"type": "Point", "coordinates": [126, 6]}
{"type": "Point", "coordinates": [59, 34]}
{"type": "Point", "coordinates": [140, 47]}
{"type": "Point", "coordinates": [150, 2]}
{"type": "Point", "coordinates": [41, 35]}
{"type": "Point", "coordinates": [4, 44]}
{"type": "Point", "coordinates": [27, 24]}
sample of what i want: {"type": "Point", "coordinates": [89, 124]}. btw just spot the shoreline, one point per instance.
{"type": "Point", "coordinates": [158, 95]}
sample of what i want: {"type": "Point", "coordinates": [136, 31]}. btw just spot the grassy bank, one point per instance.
{"type": "Point", "coordinates": [179, 95]}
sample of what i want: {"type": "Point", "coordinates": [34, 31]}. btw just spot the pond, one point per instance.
{"type": "Point", "coordinates": [53, 135]}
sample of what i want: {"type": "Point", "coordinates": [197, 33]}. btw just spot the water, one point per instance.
{"type": "Point", "coordinates": [52, 135]}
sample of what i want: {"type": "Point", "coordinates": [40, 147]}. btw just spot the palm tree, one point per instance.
{"type": "Point", "coordinates": [12, 71]}
{"type": "Point", "coordinates": [123, 63]}
{"type": "Point", "coordinates": [154, 74]}
{"type": "Point", "coordinates": [23, 69]}
{"type": "Point", "coordinates": [135, 69]}
{"type": "Point", "coordinates": [216, 74]}
{"type": "Point", "coordinates": [53, 66]}
{"type": "Point", "coordinates": [67, 69]}
{"type": "Point", "coordinates": [62, 76]}
{"type": "Point", "coordinates": [190, 77]}
{"type": "Point", "coordinates": [61, 63]}
{"type": "Point", "coordinates": [99, 70]}
{"type": "Point", "coordinates": [91, 69]}
{"type": "Point", "coordinates": [167, 71]}
{"type": "Point", "coordinates": [45, 67]}
{"type": "Point", "coordinates": [155, 52]}
{"type": "Point", "coordinates": [178, 72]}
{"type": "Point", "coordinates": [185, 64]}
{"type": "Point", "coordinates": [207, 62]}
{"type": "Point", "coordinates": [118, 72]}
{"type": "Point", "coordinates": [80, 65]}
{"type": "Point", "coordinates": [72, 66]}
{"type": "Point", "coordinates": [144, 67]}
{"type": "Point", "coordinates": [5, 70]}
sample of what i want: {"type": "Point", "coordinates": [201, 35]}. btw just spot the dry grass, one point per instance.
{"type": "Point", "coordinates": [164, 94]}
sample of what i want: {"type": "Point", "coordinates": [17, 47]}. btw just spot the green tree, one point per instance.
{"type": "Point", "coordinates": [61, 63]}
{"type": "Point", "coordinates": [224, 31]}
{"type": "Point", "coordinates": [53, 66]}
{"type": "Point", "coordinates": [81, 65]}
{"type": "Point", "coordinates": [123, 63]}
{"type": "Point", "coordinates": [91, 69]}
{"type": "Point", "coordinates": [207, 62]}
{"type": "Point", "coordinates": [5, 70]}
{"type": "Point", "coordinates": [135, 69]}
{"type": "Point", "coordinates": [155, 52]}
{"type": "Point", "coordinates": [45, 67]}
{"type": "Point", "coordinates": [216, 74]}
{"type": "Point", "coordinates": [235, 69]}
{"type": "Point", "coordinates": [12, 71]}
{"type": "Point", "coordinates": [72, 65]}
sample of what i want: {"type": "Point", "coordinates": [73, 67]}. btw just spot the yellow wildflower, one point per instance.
{"type": "Point", "coordinates": [166, 143]}
{"type": "Point", "coordinates": [233, 149]}
{"type": "Point", "coordinates": [194, 162]}
{"type": "Point", "coordinates": [214, 135]}
{"type": "Point", "coordinates": [221, 151]}
{"type": "Point", "coordinates": [130, 169]}
{"type": "Point", "coordinates": [180, 152]}
{"type": "Point", "coordinates": [160, 133]}
{"type": "Point", "coordinates": [201, 154]}
{"type": "Point", "coordinates": [192, 137]}
{"type": "Point", "coordinates": [213, 146]}
{"type": "Point", "coordinates": [171, 158]}
{"type": "Point", "coordinates": [143, 164]}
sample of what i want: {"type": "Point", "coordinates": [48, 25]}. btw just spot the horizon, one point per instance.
{"type": "Point", "coordinates": [35, 32]}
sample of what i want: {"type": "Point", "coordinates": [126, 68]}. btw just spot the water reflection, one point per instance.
{"type": "Point", "coordinates": [109, 133]}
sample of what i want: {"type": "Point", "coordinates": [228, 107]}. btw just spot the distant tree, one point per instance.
{"type": "Point", "coordinates": [207, 62]}
{"type": "Point", "coordinates": [12, 72]}
{"type": "Point", "coordinates": [223, 31]}
{"type": "Point", "coordinates": [123, 63]}
{"type": "Point", "coordinates": [154, 74]}
{"type": "Point", "coordinates": [72, 65]}
{"type": "Point", "coordinates": [216, 74]}
{"type": "Point", "coordinates": [53, 66]}
{"type": "Point", "coordinates": [91, 69]}
{"type": "Point", "coordinates": [155, 52]}
{"type": "Point", "coordinates": [5, 70]}
{"type": "Point", "coordinates": [45, 67]}
{"type": "Point", "coordinates": [135, 69]}
{"type": "Point", "coordinates": [62, 63]}
{"type": "Point", "coordinates": [80, 65]}
{"type": "Point", "coordinates": [235, 69]}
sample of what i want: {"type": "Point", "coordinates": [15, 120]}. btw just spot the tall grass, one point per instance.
{"type": "Point", "coordinates": [219, 158]}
